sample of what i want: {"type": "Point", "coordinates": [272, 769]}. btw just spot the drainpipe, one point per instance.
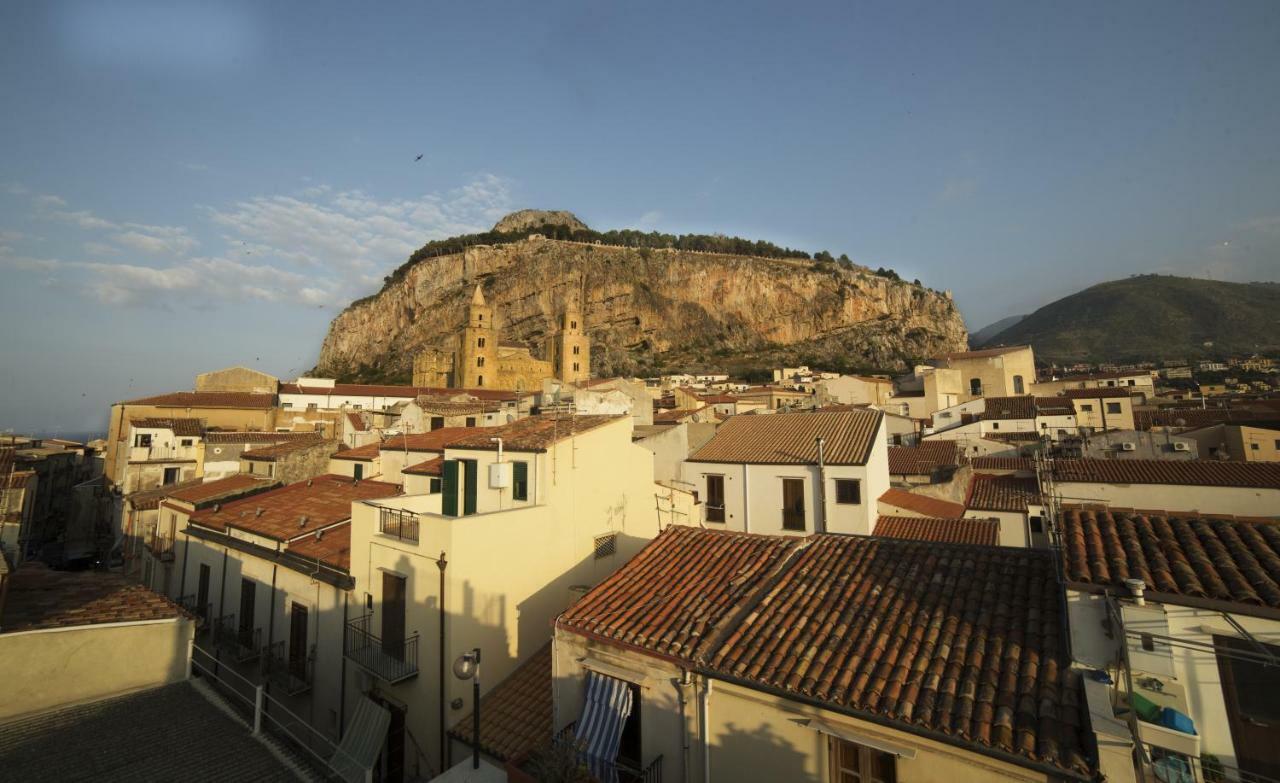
{"type": "Point", "coordinates": [342, 692]}
{"type": "Point", "coordinates": [820, 518]}
{"type": "Point", "coordinates": [746, 501]}
{"type": "Point", "coordinates": [222, 592]}
{"type": "Point", "coordinates": [442, 564]}
{"type": "Point", "coordinates": [704, 717]}
{"type": "Point", "coordinates": [271, 606]}
{"type": "Point", "coordinates": [186, 548]}
{"type": "Point", "coordinates": [681, 685]}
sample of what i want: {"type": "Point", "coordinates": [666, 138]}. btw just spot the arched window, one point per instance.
{"type": "Point", "coordinates": [975, 387]}
{"type": "Point", "coordinates": [479, 361]}
{"type": "Point", "coordinates": [573, 324]}
{"type": "Point", "coordinates": [575, 366]}
{"type": "Point", "coordinates": [575, 350]}
{"type": "Point", "coordinates": [479, 380]}
{"type": "Point", "coordinates": [1017, 385]}
{"type": "Point", "coordinates": [480, 343]}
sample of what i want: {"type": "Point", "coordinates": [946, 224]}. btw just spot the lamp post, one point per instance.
{"type": "Point", "coordinates": [467, 667]}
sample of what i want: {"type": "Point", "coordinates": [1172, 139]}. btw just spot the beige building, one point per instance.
{"type": "Point", "coordinates": [993, 372]}
{"type": "Point", "coordinates": [161, 452]}
{"type": "Point", "coordinates": [853, 390]}
{"type": "Point", "coordinates": [482, 361]}
{"type": "Point", "coordinates": [1205, 486]}
{"type": "Point", "coordinates": [1099, 410]}
{"type": "Point", "coordinates": [296, 459]}
{"type": "Point", "coordinates": [742, 679]}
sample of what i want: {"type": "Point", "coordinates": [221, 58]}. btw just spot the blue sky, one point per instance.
{"type": "Point", "coordinates": [185, 186]}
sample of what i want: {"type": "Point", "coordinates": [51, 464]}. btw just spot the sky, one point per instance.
{"type": "Point", "coordinates": [187, 186]}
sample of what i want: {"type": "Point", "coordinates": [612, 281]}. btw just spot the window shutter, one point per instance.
{"type": "Point", "coordinates": [449, 503]}
{"type": "Point", "coordinates": [520, 480]}
{"type": "Point", "coordinates": [469, 476]}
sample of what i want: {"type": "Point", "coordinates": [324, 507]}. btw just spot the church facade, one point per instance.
{"type": "Point", "coordinates": [483, 361]}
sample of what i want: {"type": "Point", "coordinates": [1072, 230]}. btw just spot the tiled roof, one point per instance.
{"type": "Point", "coordinates": [964, 643]}
{"type": "Point", "coordinates": [207, 400]}
{"type": "Point", "coordinates": [256, 437]}
{"type": "Point", "coordinates": [1002, 493]}
{"type": "Point", "coordinates": [383, 390]}
{"type": "Point", "coordinates": [278, 450]}
{"type": "Point", "coordinates": [924, 459]}
{"type": "Point", "coordinates": [295, 509]}
{"type": "Point", "coordinates": [954, 530]}
{"type": "Point", "coordinates": [534, 433]}
{"type": "Point", "coordinates": [432, 467]}
{"type": "Point", "coordinates": [1226, 560]}
{"type": "Point", "coordinates": [1011, 437]}
{"type": "Point", "coordinates": [365, 453]}
{"type": "Point", "coordinates": [446, 406]}
{"type": "Point", "coordinates": [1102, 376]}
{"type": "Point", "coordinates": [1191, 417]}
{"type": "Point", "coordinates": [999, 408]}
{"type": "Point", "coordinates": [1096, 394]}
{"type": "Point", "coordinates": [1018, 464]}
{"type": "Point", "coordinates": [921, 504]}
{"type": "Point", "coordinates": [986, 353]}
{"type": "Point", "coordinates": [237, 484]}
{"type": "Point", "coordinates": [435, 440]}
{"type": "Point", "coordinates": [517, 714]}
{"type": "Point", "coordinates": [332, 546]}
{"type": "Point", "coordinates": [1199, 472]}
{"type": "Point", "coordinates": [180, 427]}
{"type": "Point", "coordinates": [1054, 406]}
{"type": "Point", "coordinates": [40, 597]}
{"type": "Point", "coordinates": [675, 415]}
{"type": "Point", "coordinates": [150, 498]}
{"type": "Point", "coordinates": [848, 438]}
{"type": "Point", "coordinates": [6, 459]}
{"type": "Point", "coordinates": [356, 421]}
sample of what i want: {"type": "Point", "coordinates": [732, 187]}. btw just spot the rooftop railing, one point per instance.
{"type": "Point", "coordinates": [399, 524]}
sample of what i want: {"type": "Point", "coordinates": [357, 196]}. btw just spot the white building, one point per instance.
{"type": "Point", "coordinates": [1206, 486]}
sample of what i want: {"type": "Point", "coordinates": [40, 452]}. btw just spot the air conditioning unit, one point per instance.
{"type": "Point", "coordinates": [1128, 447]}
{"type": "Point", "coordinates": [499, 475]}
{"type": "Point", "coordinates": [1182, 447]}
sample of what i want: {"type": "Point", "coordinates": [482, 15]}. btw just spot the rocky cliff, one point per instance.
{"type": "Point", "coordinates": [648, 310]}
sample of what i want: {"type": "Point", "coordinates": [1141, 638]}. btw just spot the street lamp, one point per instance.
{"type": "Point", "coordinates": [467, 667]}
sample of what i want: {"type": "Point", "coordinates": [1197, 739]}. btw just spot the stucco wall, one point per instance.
{"type": "Point", "coordinates": [1242, 501]}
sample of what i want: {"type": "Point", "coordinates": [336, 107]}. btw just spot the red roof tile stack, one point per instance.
{"type": "Point", "coordinates": [1199, 472]}
{"type": "Point", "coordinates": [921, 504]}
{"type": "Point", "coordinates": [963, 643]}
{"type": "Point", "coordinates": [432, 467]}
{"type": "Point", "coordinates": [953, 530]}
{"type": "Point", "coordinates": [1226, 560]}
{"type": "Point", "coordinates": [294, 510]}
{"type": "Point", "coordinates": [180, 427]}
{"type": "Point", "coordinates": [1007, 464]}
{"type": "Point", "coordinates": [1003, 408]}
{"type": "Point", "coordinates": [535, 433]}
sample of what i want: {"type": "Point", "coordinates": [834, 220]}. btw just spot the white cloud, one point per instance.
{"type": "Point", "coordinates": [156, 240]}
{"type": "Point", "coordinates": [100, 249]}
{"type": "Point", "coordinates": [43, 202]}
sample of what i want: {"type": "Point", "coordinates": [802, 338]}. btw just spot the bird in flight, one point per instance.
{"type": "Point", "coordinates": [415, 160]}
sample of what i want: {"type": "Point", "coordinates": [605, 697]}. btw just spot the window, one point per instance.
{"type": "Point", "coordinates": [479, 380]}
{"type": "Point", "coordinates": [1111, 383]}
{"type": "Point", "coordinates": [437, 422]}
{"type": "Point", "coordinates": [188, 442]}
{"type": "Point", "coordinates": [1278, 443]}
{"type": "Point", "coordinates": [171, 475]}
{"type": "Point", "coordinates": [286, 405]}
{"type": "Point", "coordinates": [975, 387]}
{"type": "Point", "coordinates": [1132, 382]}
{"type": "Point", "coordinates": [605, 545]}
{"type": "Point", "coordinates": [434, 486]}
{"type": "Point", "coordinates": [629, 743]}
{"type": "Point", "coordinates": [1018, 387]}
{"type": "Point", "coordinates": [792, 504]}
{"type": "Point", "coordinates": [311, 406]}
{"type": "Point", "coordinates": [1037, 524]}
{"type": "Point", "coordinates": [851, 763]}
{"type": "Point", "coordinates": [995, 425]}
{"type": "Point", "coordinates": [897, 439]}
{"type": "Point", "coordinates": [1087, 408]}
{"type": "Point", "coordinates": [1113, 407]}
{"type": "Point", "coordinates": [471, 421]}
{"type": "Point", "coordinates": [357, 471]}
{"type": "Point", "coordinates": [715, 498]}
{"type": "Point", "coordinates": [480, 342]}
{"type": "Point", "coordinates": [1253, 446]}
{"type": "Point", "coordinates": [142, 441]}
{"type": "Point", "coordinates": [479, 361]}
{"type": "Point", "coordinates": [573, 324]}
{"type": "Point", "coordinates": [393, 606]}
{"type": "Point", "coordinates": [848, 491]}
{"type": "Point", "coordinates": [576, 350]}
{"type": "Point", "coordinates": [575, 366]}
{"type": "Point", "coordinates": [519, 481]}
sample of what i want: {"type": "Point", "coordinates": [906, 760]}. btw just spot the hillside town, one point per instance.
{"type": "Point", "coordinates": [984, 569]}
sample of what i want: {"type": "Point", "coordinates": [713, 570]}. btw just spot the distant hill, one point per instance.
{"type": "Point", "coordinates": [1152, 317]}
{"type": "Point", "coordinates": [983, 336]}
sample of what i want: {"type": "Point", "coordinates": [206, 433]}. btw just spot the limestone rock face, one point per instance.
{"type": "Point", "coordinates": [648, 311]}
{"type": "Point", "coordinates": [532, 218]}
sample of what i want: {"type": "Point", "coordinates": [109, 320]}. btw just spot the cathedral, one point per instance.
{"type": "Point", "coordinates": [482, 361]}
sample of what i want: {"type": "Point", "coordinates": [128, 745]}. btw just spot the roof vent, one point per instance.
{"type": "Point", "coordinates": [302, 521]}
{"type": "Point", "coordinates": [217, 507]}
{"type": "Point", "coordinates": [319, 533]}
{"type": "Point", "coordinates": [308, 482]}
{"type": "Point", "coordinates": [257, 512]}
{"type": "Point", "coordinates": [1136, 588]}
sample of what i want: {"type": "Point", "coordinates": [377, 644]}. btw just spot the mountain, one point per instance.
{"type": "Point", "coordinates": [673, 303]}
{"type": "Point", "coordinates": [983, 336]}
{"type": "Point", "coordinates": [1153, 317]}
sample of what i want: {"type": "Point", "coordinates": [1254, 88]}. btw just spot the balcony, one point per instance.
{"type": "Point", "coordinates": [294, 674]}
{"type": "Point", "coordinates": [161, 547]}
{"type": "Point", "coordinates": [243, 644]}
{"type": "Point", "coordinates": [188, 602]}
{"type": "Point", "coordinates": [793, 519]}
{"type": "Point", "coordinates": [398, 524]}
{"type": "Point", "coordinates": [393, 661]}
{"type": "Point", "coordinates": [564, 746]}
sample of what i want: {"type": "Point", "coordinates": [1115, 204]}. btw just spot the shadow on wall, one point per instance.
{"type": "Point", "coordinates": [758, 753]}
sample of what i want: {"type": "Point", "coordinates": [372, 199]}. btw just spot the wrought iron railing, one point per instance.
{"type": "Point", "coordinates": [399, 524]}
{"type": "Point", "coordinates": [391, 660]}
{"type": "Point", "coordinates": [225, 631]}
{"type": "Point", "coordinates": [161, 547]}
{"type": "Point", "coordinates": [602, 770]}
{"type": "Point", "coordinates": [291, 672]}
{"type": "Point", "coordinates": [248, 643]}
{"type": "Point", "coordinates": [1206, 767]}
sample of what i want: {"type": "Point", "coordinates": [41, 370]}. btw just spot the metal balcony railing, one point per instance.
{"type": "Point", "coordinates": [393, 661]}
{"type": "Point", "coordinates": [715, 513]}
{"type": "Point", "coordinates": [601, 770]}
{"type": "Point", "coordinates": [248, 644]}
{"type": "Point", "coordinates": [793, 519]}
{"type": "Point", "coordinates": [400, 524]}
{"type": "Point", "coordinates": [161, 547]}
{"type": "Point", "coordinates": [225, 632]}
{"type": "Point", "coordinates": [292, 673]}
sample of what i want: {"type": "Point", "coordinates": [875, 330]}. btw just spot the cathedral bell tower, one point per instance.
{"type": "Point", "coordinates": [573, 347]}
{"type": "Point", "coordinates": [478, 353]}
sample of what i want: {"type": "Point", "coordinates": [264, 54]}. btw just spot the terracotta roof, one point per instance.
{"type": "Point", "coordinates": [207, 400]}
{"type": "Point", "coordinates": [332, 547]}
{"type": "Point", "coordinates": [534, 433]}
{"type": "Point", "coordinates": [1011, 437]}
{"type": "Point", "coordinates": [922, 504]}
{"type": "Point", "coordinates": [985, 353]}
{"type": "Point", "coordinates": [257, 437]}
{"type": "Point", "coordinates": [1095, 394]}
{"type": "Point", "coordinates": [1016, 464]}
{"type": "Point", "coordinates": [40, 597]}
{"type": "Point", "coordinates": [150, 498]}
{"type": "Point", "coordinates": [432, 467]}
{"type": "Point", "coordinates": [181, 427]}
{"type": "Point", "coordinates": [1191, 417]}
{"type": "Point", "coordinates": [295, 509]}
{"type": "Point", "coordinates": [1200, 472]}
{"type": "Point", "coordinates": [1226, 560]}
{"type": "Point", "coordinates": [998, 408]}
{"type": "Point", "coordinates": [237, 484]}
{"type": "Point", "coordinates": [1054, 406]}
{"type": "Point", "coordinates": [922, 460]}
{"type": "Point", "coordinates": [365, 453]}
{"type": "Point", "coordinates": [676, 415]}
{"type": "Point", "coordinates": [1002, 493]}
{"type": "Point", "coordinates": [436, 440]}
{"type": "Point", "coordinates": [278, 450]}
{"type": "Point", "coordinates": [963, 643]}
{"type": "Point", "coordinates": [848, 438]}
{"type": "Point", "coordinates": [517, 714]}
{"type": "Point", "coordinates": [953, 530]}
{"type": "Point", "coordinates": [356, 421]}
{"type": "Point", "coordinates": [446, 406]}
{"type": "Point", "coordinates": [386, 390]}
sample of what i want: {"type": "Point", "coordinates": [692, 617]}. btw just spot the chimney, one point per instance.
{"type": "Point", "coordinates": [1136, 588]}
{"type": "Point", "coordinates": [302, 521]}
{"type": "Point", "coordinates": [257, 512]}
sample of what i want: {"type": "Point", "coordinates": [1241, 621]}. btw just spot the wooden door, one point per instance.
{"type": "Point", "coordinates": [298, 641]}
{"type": "Point", "coordinates": [470, 486]}
{"type": "Point", "coordinates": [1251, 694]}
{"type": "Point", "coordinates": [793, 504]}
{"type": "Point", "coordinates": [393, 605]}
{"type": "Point", "coordinates": [248, 599]}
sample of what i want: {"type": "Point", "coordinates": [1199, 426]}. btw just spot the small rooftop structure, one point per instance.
{"type": "Point", "coordinates": [848, 438]}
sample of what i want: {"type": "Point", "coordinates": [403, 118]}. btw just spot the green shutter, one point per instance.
{"type": "Point", "coordinates": [449, 503]}
{"type": "Point", "coordinates": [520, 480]}
{"type": "Point", "coordinates": [469, 486]}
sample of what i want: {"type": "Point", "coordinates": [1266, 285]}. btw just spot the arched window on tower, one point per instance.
{"type": "Point", "coordinates": [575, 350]}
{"type": "Point", "coordinates": [479, 361]}
{"type": "Point", "coordinates": [575, 366]}
{"type": "Point", "coordinates": [480, 343]}
{"type": "Point", "coordinates": [479, 380]}
{"type": "Point", "coordinates": [573, 324]}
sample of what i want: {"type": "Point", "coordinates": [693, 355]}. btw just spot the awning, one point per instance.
{"type": "Point", "coordinates": [599, 731]}
{"type": "Point", "coordinates": [850, 734]}
{"type": "Point", "coordinates": [360, 746]}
